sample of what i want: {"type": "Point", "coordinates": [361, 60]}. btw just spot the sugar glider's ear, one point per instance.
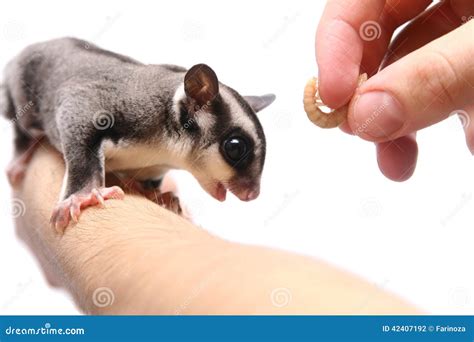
{"type": "Point", "coordinates": [201, 84]}
{"type": "Point", "coordinates": [260, 102]}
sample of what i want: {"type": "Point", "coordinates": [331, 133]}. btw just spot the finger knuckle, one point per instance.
{"type": "Point", "coordinates": [437, 76]}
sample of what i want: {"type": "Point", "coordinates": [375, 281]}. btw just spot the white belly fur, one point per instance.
{"type": "Point", "coordinates": [138, 161]}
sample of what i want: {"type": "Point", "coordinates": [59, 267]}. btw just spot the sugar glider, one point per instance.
{"type": "Point", "coordinates": [107, 112]}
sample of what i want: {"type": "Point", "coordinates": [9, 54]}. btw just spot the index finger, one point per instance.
{"type": "Point", "coordinates": [339, 46]}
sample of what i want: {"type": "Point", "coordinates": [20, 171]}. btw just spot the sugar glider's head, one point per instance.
{"type": "Point", "coordinates": [225, 143]}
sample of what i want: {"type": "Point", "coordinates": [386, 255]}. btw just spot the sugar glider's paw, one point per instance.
{"type": "Point", "coordinates": [70, 208]}
{"type": "Point", "coordinates": [170, 201]}
{"type": "Point", "coordinates": [167, 200]}
{"type": "Point", "coordinates": [151, 189]}
{"type": "Point", "coordinates": [16, 172]}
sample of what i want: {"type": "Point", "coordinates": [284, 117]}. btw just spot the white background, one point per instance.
{"type": "Point", "coordinates": [322, 193]}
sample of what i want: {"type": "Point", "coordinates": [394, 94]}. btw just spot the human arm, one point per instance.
{"type": "Point", "coordinates": [152, 261]}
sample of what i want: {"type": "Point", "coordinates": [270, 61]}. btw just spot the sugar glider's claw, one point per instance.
{"type": "Point", "coordinates": [312, 106]}
{"type": "Point", "coordinates": [70, 208]}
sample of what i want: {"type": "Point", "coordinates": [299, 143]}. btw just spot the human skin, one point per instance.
{"type": "Point", "coordinates": [154, 262]}
{"type": "Point", "coordinates": [427, 71]}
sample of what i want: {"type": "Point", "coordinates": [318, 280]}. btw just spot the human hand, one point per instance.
{"type": "Point", "coordinates": [427, 71]}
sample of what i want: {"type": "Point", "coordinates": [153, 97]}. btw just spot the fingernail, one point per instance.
{"type": "Point", "coordinates": [378, 115]}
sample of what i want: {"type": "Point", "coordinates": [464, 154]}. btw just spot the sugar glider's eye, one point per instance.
{"type": "Point", "coordinates": [235, 148]}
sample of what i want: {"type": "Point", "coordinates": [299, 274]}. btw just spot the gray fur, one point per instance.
{"type": "Point", "coordinates": [61, 87]}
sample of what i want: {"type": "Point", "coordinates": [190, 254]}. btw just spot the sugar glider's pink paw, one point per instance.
{"type": "Point", "coordinates": [16, 172]}
{"type": "Point", "coordinates": [70, 208]}
{"type": "Point", "coordinates": [170, 201]}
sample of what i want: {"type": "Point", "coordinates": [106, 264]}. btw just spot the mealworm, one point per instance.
{"type": "Point", "coordinates": [312, 106]}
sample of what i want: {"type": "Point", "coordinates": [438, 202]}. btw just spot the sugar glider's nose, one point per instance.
{"type": "Point", "coordinates": [246, 191]}
{"type": "Point", "coordinates": [252, 194]}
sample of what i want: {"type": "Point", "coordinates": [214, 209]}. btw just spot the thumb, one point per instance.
{"type": "Point", "coordinates": [418, 90]}
{"type": "Point", "coordinates": [467, 121]}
